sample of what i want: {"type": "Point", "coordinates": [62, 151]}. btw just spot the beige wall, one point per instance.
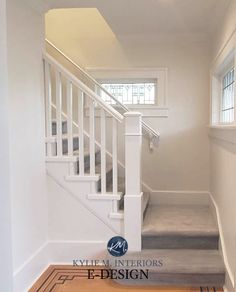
{"type": "Point", "coordinates": [223, 154]}
{"type": "Point", "coordinates": [182, 160]}
{"type": "Point", "coordinates": [181, 163]}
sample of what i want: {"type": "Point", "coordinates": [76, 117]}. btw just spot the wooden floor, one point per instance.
{"type": "Point", "coordinates": [74, 279]}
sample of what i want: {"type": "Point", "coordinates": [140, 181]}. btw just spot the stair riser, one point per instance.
{"type": "Point", "coordinates": [122, 203]}
{"type": "Point", "coordinates": [172, 279]}
{"type": "Point", "coordinates": [64, 127]}
{"type": "Point", "coordinates": [65, 145]}
{"type": "Point", "coordinates": [179, 242]}
{"type": "Point", "coordinates": [108, 180]}
{"type": "Point", "coordinates": [87, 162]}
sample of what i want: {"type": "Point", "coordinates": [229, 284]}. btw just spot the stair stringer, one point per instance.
{"type": "Point", "coordinates": [83, 189]}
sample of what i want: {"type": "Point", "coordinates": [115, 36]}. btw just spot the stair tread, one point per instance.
{"type": "Point", "coordinates": [182, 261]}
{"type": "Point", "coordinates": [65, 136]}
{"type": "Point", "coordinates": [179, 220]}
{"type": "Point", "coordinates": [86, 152]}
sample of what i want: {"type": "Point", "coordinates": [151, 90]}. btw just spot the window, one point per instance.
{"type": "Point", "coordinates": [135, 92]}
{"type": "Point", "coordinates": [141, 89]}
{"type": "Point", "coordinates": [223, 89]}
{"type": "Point", "coordinates": [227, 98]}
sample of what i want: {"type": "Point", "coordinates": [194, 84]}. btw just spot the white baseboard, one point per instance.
{"type": "Point", "coordinates": [55, 252]}
{"type": "Point", "coordinates": [179, 197]}
{"type": "Point", "coordinates": [64, 252]}
{"type": "Point", "coordinates": [229, 273]}
{"type": "Point", "coordinates": [228, 287]}
{"type": "Point", "coordinates": [25, 276]}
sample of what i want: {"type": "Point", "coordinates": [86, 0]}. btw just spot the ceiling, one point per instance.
{"type": "Point", "coordinates": [153, 17]}
{"type": "Point", "coordinates": [105, 32]}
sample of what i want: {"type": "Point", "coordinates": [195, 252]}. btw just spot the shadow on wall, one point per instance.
{"type": "Point", "coordinates": [181, 162]}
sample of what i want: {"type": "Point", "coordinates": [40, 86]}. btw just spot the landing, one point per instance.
{"type": "Point", "coordinates": [195, 220]}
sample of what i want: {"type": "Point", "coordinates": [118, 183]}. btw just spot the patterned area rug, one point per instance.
{"type": "Point", "coordinates": [75, 279]}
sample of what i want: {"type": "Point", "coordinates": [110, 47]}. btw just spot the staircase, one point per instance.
{"type": "Point", "coordinates": [83, 157]}
{"type": "Point", "coordinates": [186, 239]}
{"type": "Point", "coordinates": [82, 151]}
{"type": "Point", "coordinates": [118, 200]}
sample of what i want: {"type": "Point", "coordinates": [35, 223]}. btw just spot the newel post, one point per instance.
{"type": "Point", "coordinates": [133, 193]}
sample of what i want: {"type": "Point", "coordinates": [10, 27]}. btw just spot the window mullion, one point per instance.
{"type": "Point", "coordinates": [227, 111]}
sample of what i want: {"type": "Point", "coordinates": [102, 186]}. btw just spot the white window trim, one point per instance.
{"type": "Point", "coordinates": [226, 61]}
{"type": "Point", "coordinates": [160, 109]}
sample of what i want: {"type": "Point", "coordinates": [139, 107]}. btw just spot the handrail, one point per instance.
{"type": "Point", "coordinates": [153, 134]}
{"type": "Point", "coordinates": [108, 108]}
{"type": "Point", "coordinates": [88, 75]}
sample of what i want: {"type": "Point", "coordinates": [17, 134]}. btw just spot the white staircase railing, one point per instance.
{"type": "Point", "coordinates": [153, 135]}
{"type": "Point", "coordinates": [65, 90]}
{"type": "Point", "coordinates": [66, 100]}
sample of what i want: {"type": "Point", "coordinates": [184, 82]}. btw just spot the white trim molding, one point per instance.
{"type": "Point", "coordinates": [55, 252]}
{"type": "Point", "coordinates": [150, 111]}
{"type": "Point", "coordinates": [225, 58]}
{"type": "Point", "coordinates": [229, 273]}
{"type": "Point", "coordinates": [147, 111]}
{"type": "Point", "coordinates": [32, 268]}
{"type": "Point", "coordinates": [159, 73]}
{"type": "Point", "coordinates": [179, 197]}
{"type": "Point", "coordinates": [64, 251]}
{"type": "Point", "coordinates": [224, 133]}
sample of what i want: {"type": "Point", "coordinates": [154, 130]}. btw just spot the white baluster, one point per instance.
{"type": "Point", "coordinates": [81, 130]}
{"type": "Point", "coordinates": [103, 151]}
{"type": "Point", "coordinates": [69, 117]}
{"type": "Point", "coordinates": [95, 88]}
{"type": "Point", "coordinates": [91, 137]}
{"type": "Point", "coordinates": [48, 92]}
{"type": "Point", "coordinates": [58, 112]}
{"type": "Point", "coordinates": [114, 157]}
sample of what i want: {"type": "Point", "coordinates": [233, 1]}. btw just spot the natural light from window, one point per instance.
{"type": "Point", "coordinates": [227, 99]}
{"type": "Point", "coordinates": [142, 93]}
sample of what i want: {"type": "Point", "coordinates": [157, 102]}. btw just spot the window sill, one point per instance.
{"type": "Point", "coordinates": [225, 133]}
{"type": "Point", "coordinates": [223, 127]}
{"type": "Point", "coordinates": [148, 111]}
